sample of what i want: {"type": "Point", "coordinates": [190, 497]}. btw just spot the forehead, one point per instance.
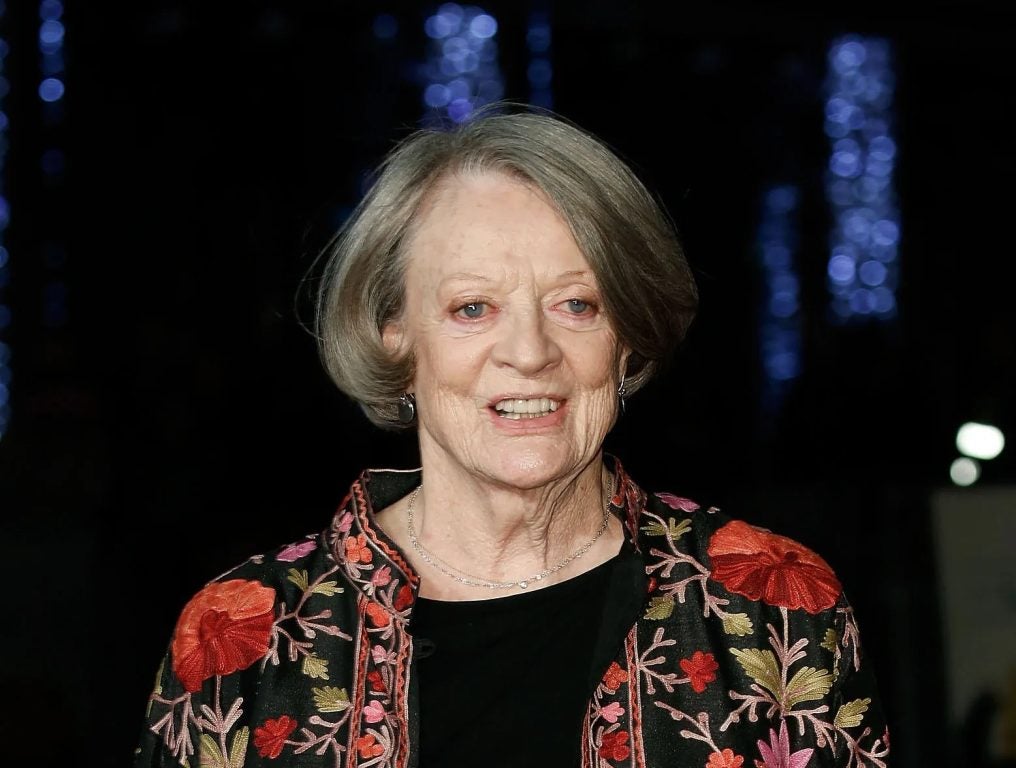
{"type": "Point", "coordinates": [491, 221]}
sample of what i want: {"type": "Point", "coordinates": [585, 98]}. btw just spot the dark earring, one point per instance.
{"type": "Point", "coordinates": [621, 392]}
{"type": "Point", "coordinates": [407, 408]}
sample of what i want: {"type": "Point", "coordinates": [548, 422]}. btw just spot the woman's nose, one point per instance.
{"type": "Point", "coordinates": [525, 343]}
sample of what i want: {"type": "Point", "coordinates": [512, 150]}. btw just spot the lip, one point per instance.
{"type": "Point", "coordinates": [539, 424]}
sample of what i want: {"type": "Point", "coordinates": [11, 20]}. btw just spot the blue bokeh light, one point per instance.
{"type": "Point", "coordinates": [51, 89]}
{"type": "Point", "coordinates": [862, 267]}
{"type": "Point", "coordinates": [779, 327]}
{"type": "Point", "coordinates": [461, 72]}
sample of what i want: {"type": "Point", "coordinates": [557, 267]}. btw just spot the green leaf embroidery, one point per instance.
{"type": "Point", "coordinates": [737, 624]}
{"type": "Point", "coordinates": [660, 607]}
{"type": "Point", "coordinates": [831, 640]}
{"type": "Point", "coordinates": [761, 667]}
{"type": "Point", "coordinates": [674, 530]}
{"type": "Point", "coordinates": [315, 667]}
{"type": "Point", "coordinates": [808, 684]}
{"type": "Point", "coordinates": [209, 755]}
{"type": "Point", "coordinates": [238, 750]}
{"type": "Point", "coordinates": [850, 714]}
{"type": "Point", "coordinates": [298, 577]}
{"type": "Point", "coordinates": [328, 588]}
{"type": "Point", "coordinates": [331, 699]}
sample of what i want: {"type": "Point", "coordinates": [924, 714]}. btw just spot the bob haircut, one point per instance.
{"type": "Point", "coordinates": [648, 290]}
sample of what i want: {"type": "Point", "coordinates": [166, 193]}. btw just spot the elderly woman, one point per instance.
{"type": "Point", "coordinates": [518, 599]}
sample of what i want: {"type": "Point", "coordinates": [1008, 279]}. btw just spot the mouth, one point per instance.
{"type": "Point", "coordinates": [520, 409]}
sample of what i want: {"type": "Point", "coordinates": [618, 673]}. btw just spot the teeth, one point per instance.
{"type": "Point", "coordinates": [526, 409]}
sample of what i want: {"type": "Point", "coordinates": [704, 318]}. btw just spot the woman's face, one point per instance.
{"type": "Point", "coordinates": [516, 366]}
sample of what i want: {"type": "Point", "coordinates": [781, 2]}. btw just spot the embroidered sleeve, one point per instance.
{"type": "Point", "coordinates": [857, 727]}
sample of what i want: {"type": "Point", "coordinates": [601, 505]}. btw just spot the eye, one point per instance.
{"type": "Point", "coordinates": [473, 310]}
{"type": "Point", "coordinates": [578, 306]}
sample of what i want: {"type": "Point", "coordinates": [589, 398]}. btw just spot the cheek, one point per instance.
{"type": "Point", "coordinates": [594, 362]}
{"type": "Point", "coordinates": [448, 364]}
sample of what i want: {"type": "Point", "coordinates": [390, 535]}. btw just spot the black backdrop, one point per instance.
{"type": "Point", "coordinates": [178, 419]}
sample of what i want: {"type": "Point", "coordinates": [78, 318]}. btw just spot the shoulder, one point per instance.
{"type": "Point", "coordinates": [232, 621]}
{"type": "Point", "coordinates": [252, 591]}
{"type": "Point", "coordinates": [748, 561]}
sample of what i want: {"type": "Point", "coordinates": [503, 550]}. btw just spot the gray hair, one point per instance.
{"type": "Point", "coordinates": [648, 289]}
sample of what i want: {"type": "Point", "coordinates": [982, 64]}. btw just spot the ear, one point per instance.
{"type": "Point", "coordinates": [623, 353]}
{"type": "Point", "coordinates": [392, 336]}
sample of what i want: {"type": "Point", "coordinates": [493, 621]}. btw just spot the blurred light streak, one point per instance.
{"type": "Point", "coordinates": [461, 71]}
{"type": "Point", "coordinates": [779, 322]}
{"type": "Point", "coordinates": [52, 90]}
{"type": "Point", "coordinates": [540, 72]}
{"type": "Point", "coordinates": [862, 269]}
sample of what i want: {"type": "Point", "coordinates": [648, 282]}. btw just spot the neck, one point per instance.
{"type": "Point", "coordinates": [495, 532]}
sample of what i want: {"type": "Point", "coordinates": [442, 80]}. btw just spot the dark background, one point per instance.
{"type": "Point", "coordinates": [169, 413]}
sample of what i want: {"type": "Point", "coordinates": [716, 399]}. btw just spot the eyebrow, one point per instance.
{"type": "Point", "coordinates": [473, 276]}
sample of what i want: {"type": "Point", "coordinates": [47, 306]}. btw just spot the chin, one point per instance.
{"type": "Point", "coordinates": [534, 467]}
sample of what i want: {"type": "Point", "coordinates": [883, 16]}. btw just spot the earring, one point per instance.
{"type": "Point", "coordinates": [407, 408]}
{"type": "Point", "coordinates": [621, 392]}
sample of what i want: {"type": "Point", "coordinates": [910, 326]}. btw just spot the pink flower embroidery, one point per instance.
{"type": "Point", "coordinates": [611, 712]}
{"type": "Point", "coordinates": [677, 502]}
{"type": "Point", "coordinates": [345, 522]}
{"type": "Point", "coordinates": [777, 754]}
{"type": "Point", "coordinates": [374, 712]}
{"type": "Point", "coordinates": [381, 576]}
{"type": "Point", "coordinates": [379, 654]}
{"type": "Point", "coordinates": [295, 551]}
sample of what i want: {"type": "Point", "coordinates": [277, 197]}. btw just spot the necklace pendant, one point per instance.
{"type": "Point", "coordinates": [523, 584]}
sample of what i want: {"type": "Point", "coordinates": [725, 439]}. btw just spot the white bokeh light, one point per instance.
{"type": "Point", "coordinates": [964, 471]}
{"type": "Point", "coordinates": [980, 441]}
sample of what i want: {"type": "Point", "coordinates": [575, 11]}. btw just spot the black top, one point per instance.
{"type": "Point", "coordinates": [507, 681]}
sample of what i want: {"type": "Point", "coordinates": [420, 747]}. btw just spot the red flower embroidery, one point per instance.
{"type": "Point", "coordinates": [404, 598]}
{"type": "Point", "coordinates": [701, 669]}
{"type": "Point", "coordinates": [724, 759]}
{"type": "Point", "coordinates": [613, 746]}
{"type": "Point", "coordinates": [614, 676]}
{"type": "Point", "coordinates": [357, 550]}
{"type": "Point", "coordinates": [378, 616]}
{"type": "Point", "coordinates": [271, 737]}
{"type": "Point", "coordinates": [224, 627]}
{"type": "Point", "coordinates": [775, 569]}
{"type": "Point", "coordinates": [367, 746]}
{"type": "Point", "coordinates": [376, 683]}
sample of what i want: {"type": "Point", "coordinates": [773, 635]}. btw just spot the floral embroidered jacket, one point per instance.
{"type": "Point", "coordinates": [731, 646]}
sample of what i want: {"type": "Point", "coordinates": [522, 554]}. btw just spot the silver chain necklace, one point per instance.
{"type": "Point", "coordinates": [474, 581]}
